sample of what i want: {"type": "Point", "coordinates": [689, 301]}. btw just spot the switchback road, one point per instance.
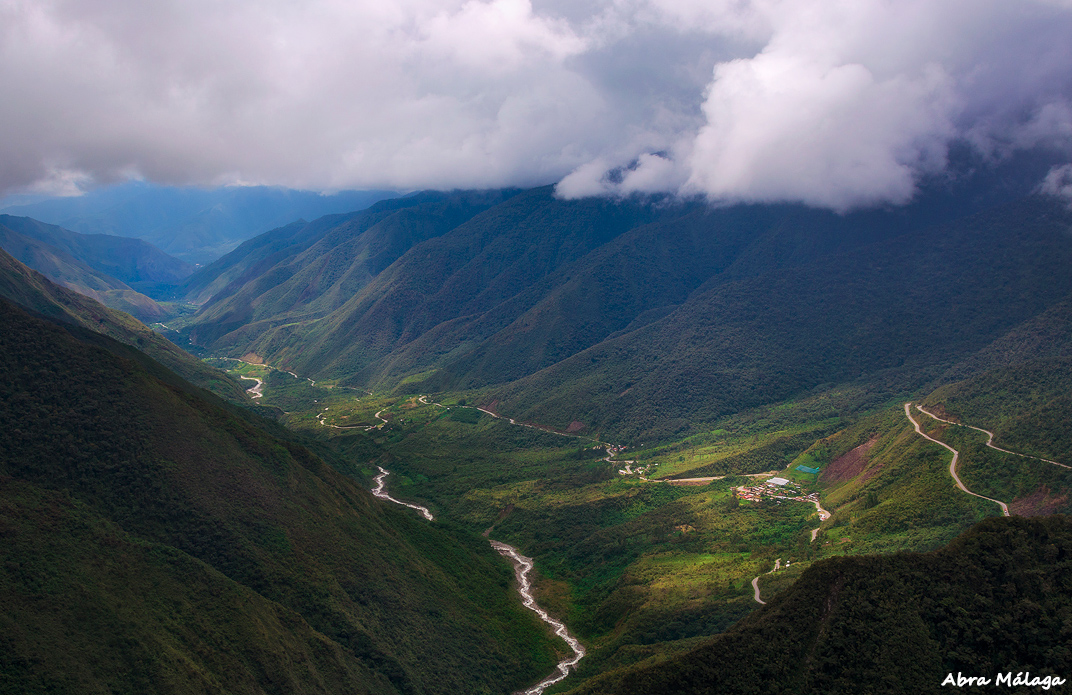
{"type": "Point", "coordinates": [953, 463]}
{"type": "Point", "coordinates": [990, 439]}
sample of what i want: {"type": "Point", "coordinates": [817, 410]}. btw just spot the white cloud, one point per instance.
{"type": "Point", "coordinates": [833, 102]}
{"type": "Point", "coordinates": [585, 181]}
{"type": "Point", "coordinates": [1058, 182]}
{"type": "Point", "coordinates": [831, 134]}
{"type": "Point", "coordinates": [849, 103]}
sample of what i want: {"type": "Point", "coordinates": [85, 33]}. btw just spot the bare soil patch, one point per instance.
{"type": "Point", "coordinates": [848, 465]}
{"type": "Point", "coordinates": [1041, 502]}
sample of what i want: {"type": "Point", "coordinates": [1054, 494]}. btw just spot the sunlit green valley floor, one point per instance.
{"type": "Point", "coordinates": [641, 568]}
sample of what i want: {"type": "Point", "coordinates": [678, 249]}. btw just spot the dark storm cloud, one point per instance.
{"type": "Point", "coordinates": [837, 104]}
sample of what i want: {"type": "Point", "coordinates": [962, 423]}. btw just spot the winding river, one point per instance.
{"type": "Point", "coordinates": [257, 390]}
{"type": "Point", "coordinates": [522, 566]}
{"type": "Point", "coordinates": [379, 491]}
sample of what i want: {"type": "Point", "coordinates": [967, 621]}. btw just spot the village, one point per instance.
{"type": "Point", "coordinates": [777, 489]}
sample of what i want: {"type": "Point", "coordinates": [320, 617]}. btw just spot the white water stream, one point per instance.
{"type": "Point", "coordinates": [257, 390]}
{"type": "Point", "coordinates": [522, 567]}
{"type": "Point", "coordinates": [378, 491]}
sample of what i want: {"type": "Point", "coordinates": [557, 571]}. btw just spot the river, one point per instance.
{"type": "Point", "coordinates": [522, 567]}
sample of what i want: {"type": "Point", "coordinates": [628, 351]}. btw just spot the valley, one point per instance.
{"type": "Point", "coordinates": [665, 422]}
{"type": "Point", "coordinates": [535, 347]}
{"type": "Point", "coordinates": [645, 567]}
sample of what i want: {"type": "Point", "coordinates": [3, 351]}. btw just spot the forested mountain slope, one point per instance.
{"type": "Point", "coordinates": [464, 281]}
{"type": "Point", "coordinates": [996, 600]}
{"type": "Point", "coordinates": [157, 540]}
{"type": "Point", "coordinates": [896, 313]}
{"type": "Point", "coordinates": [638, 317]}
{"type": "Point", "coordinates": [305, 271]}
{"type": "Point", "coordinates": [35, 292]}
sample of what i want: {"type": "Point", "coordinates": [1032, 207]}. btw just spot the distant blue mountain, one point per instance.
{"type": "Point", "coordinates": [194, 224]}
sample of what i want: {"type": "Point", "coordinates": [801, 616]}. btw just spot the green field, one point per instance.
{"type": "Point", "coordinates": [641, 569]}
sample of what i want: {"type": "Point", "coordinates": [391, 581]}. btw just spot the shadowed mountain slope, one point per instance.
{"type": "Point", "coordinates": [33, 291]}
{"type": "Point", "coordinates": [995, 600]}
{"type": "Point", "coordinates": [133, 261]}
{"type": "Point", "coordinates": [637, 317]}
{"type": "Point", "coordinates": [895, 313]}
{"type": "Point", "coordinates": [156, 539]}
{"type": "Point", "coordinates": [65, 269]}
{"type": "Point", "coordinates": [197, 225]}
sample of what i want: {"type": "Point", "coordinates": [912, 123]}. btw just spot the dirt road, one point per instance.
{"type": "Point", "coordinates": [953, 463]}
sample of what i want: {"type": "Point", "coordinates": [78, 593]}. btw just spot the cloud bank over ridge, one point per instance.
{"type": "Point", "coordinates": [835, 103]}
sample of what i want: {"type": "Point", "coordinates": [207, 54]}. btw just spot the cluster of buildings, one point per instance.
{"type": "Point", "coordinates": [775, 488]}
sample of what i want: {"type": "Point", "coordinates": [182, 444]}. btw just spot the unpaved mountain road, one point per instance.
{"type": "Point", "coordinates": [953, 463]}
{"type": "Point", "coordinates": [755, 582]}
{"type": "Point", "coordinates": [990, 439]}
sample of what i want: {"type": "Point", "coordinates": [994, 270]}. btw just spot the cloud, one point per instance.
{"type": "Point", "coordinates": [1058, 182]}
{"type": "Point", "coordinates": [324, 94]}
{"type": "Point", "coordinates": [832, 102]}
{"type": "Point", "coordinates": [849, 104]}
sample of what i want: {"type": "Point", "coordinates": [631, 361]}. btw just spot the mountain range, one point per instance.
{"type": "Point", "coordinates": [115, 271]}
{"type": "Point", "coordinates": [635, 319]}
{"type": "Point", "coordinates": [159, 537]}
{"type": "Point", "coordinates": [193, 224]}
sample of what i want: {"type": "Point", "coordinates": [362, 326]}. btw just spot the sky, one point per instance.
{"type": "Point", "coordinates": [835, 103]}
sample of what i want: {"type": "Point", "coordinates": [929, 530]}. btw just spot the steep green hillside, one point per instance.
{"type": "Point", "coordinates": [35, 292]}
{"type": "Point", "coordinates": [1028, 406]}
{"type": "Point", "coordinates": [89, 608]}
{"type": "Point", "coordinates": [997, 600]}
{"type": "Point", "coordinates": [1046, 335]}
{"type": "Point", "coordinates": [133, 261]}
{"type": "Point", "coordinates": [637, 319]}
{"type": "Point", "coordinates": [525, 284]}
{"type": "Point", "coordinates": [894, 314]}
{"type": "Point", "coordinates": [156, 536]}
{"type": "Point", "coordinates": [63, 268]}
{"type": "Point", "coordinates": [304, 271]}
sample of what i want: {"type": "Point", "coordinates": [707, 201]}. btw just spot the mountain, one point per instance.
{"type": "Point", "coordinates": [196, 225]}
{"type": "Point", "coordinates": [639, 318]}
{"type": "Point", "coordinates": [34, 292]}
{"type": "Point", "coordinates": [895, 312]}
{"type": "Point", "coordinates": [995, 601]}
{"type": "Point", "coordinates": [106, 268]}
{"type": "Point", "coordinates": [132, 261]}
{"type": "Point", "coordinates": [716, 342]}
{"type": "Point", "coordinates": [73, 274]}
{"type": "Point", "coordinates": [156, 539]}
{"type": "Point", "coordinates": [312, 268]}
